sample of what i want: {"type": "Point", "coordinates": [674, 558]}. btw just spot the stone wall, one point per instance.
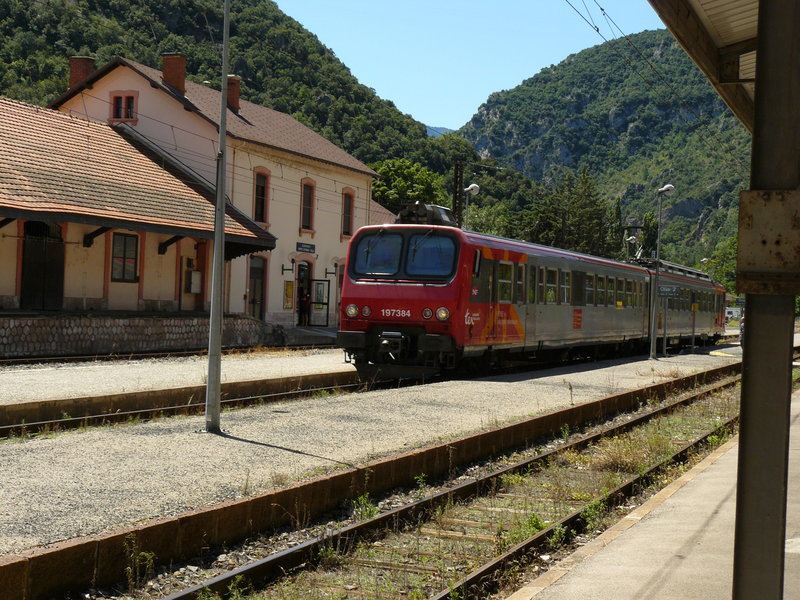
{"type": "Point", "coordinates": [108, 333]}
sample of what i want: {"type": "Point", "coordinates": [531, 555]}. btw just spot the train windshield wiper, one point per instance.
{"type": "Point", "coordinates": [418, 242]}
{"type": "Point", "coordinates": [371, 243]}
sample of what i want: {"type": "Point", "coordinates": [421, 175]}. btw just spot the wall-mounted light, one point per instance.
{"type": "Point", "coordinates": [328, 272]}
{"type": "Point", "coordinates": [290, 269]}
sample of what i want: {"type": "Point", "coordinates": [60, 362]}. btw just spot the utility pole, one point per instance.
{"type": "Point", "coordinates": [213, 383]}
{"type": "Point", "coordinates": [458, 191]}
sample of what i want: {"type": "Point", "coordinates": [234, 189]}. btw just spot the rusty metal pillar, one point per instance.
{"type": "Point", "coordinates": [768, 271]}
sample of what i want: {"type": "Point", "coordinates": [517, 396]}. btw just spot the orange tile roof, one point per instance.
{"type": "Point", "coordinates": [85, 171]}
{"type": "Point", "coordinates": [378, 214]}
{"type": "Point", "coordinates": [253, 122]}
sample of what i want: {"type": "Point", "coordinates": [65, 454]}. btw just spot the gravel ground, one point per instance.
{"type": "Point", "coordinates": [28, 383]}
{"type": "Point", "coordinates": [80, 483]}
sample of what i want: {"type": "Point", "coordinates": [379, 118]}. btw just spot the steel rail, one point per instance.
{"type": "Point", "coordinates": [189, 408]}
{"type": "Point", "coordinates": [266, 570]}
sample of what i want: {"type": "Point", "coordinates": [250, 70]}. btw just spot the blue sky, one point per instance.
{"type": "Point", "coordinates": [438, 60]}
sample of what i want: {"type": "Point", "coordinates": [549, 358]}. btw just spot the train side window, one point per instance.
{"type": "Point", "coordinates": [601, 290]}
{"type": "Point", "coordinates": [564, 279]}
{"type": "Point", "coordinates": [519, 293]}
{"type": "Point", "coordinates": [629, 292]}
{"type": "Point", "coordinates": [476, 264]}
{"type": "Point", "coordinates": [551, 292]}
{"type": "Point", "coordinates": [505, 273]}
{"type": "Point", "coordinates": [619, 291]}
{"type": "Point", "coordinates": [542, 276]}
{"type": "Point", "coordinates": [590, 290]}
{"type": "Point", "coordinates": [531, 285]}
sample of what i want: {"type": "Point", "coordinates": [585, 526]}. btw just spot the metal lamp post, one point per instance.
{"type": "Point", "coordinates": [471, 190]}
{"type": "Point", "coordinates": [213, 384]}
{"type": "Point", "coordinates": [667, 189]}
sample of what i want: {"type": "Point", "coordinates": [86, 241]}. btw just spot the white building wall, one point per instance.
{"type": "Point", "coordinates": [183, 134]}
{"type": "Point", "coordinates": [287, 173]}
{"type": "Point", "coordinates": [193, 140]}
{"type": "Point", "coordinates": [9, 241]}
{"type": "Point", "coordinates": [83, 268]}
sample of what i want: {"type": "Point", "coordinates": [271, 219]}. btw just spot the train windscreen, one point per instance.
{"type": "Point", "coordinates": [423, 255]}
{"type": "Point", "coordinates": [430, 255]}
{"type": "Point", "coordinates": [378, 254]}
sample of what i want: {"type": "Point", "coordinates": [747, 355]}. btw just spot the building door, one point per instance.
{"type": "Point", "coordinates": [255, 303]}
{"type": "Point", "coordinates": [42, 267]}
{"type": "Point", "coordinates": [303, 287]}
{"type": "Point", "coordinates": [320, 298]}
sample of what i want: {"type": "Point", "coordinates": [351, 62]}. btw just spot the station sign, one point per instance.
{"type": "Point", "coordinates": [303, 247]}
{"type": "Point", "coordinates": [669, 291]}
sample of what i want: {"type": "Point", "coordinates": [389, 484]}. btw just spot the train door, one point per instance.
{"type": "Point", "coordinates": [530, 305]}
{"type": "Point", "coordinates": [490, 327]}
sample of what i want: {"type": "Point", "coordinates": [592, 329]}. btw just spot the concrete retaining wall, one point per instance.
{"type": "Point", "coordinates": [24, 336]}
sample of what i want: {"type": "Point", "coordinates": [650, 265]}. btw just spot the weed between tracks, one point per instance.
{"type": "Point", "coordinates": [424, 558]}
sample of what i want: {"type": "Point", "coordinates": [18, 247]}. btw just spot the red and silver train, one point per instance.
{"type": "Point", "coordinates": [422, 296]}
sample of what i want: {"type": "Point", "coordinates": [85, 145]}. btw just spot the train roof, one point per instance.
{"type": "Point", "coordinates": [640, 265]}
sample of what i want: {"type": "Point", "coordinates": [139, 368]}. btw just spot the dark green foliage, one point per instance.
{"type": "Point", "coordinates": [634, 131]}
{"type": "Point", "coordinates": [403, 182]}
{"type": "Point", "coordinates": [565, 157]}
{"type": "Point", "coordinates": [281, 64]}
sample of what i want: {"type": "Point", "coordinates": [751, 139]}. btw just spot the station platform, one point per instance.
{"type": "Point", "coordinates": [679, 544]}
{"type": "Point", "coordinates": [311, 336]}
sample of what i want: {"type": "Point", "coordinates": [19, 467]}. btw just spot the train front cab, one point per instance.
{"type": "Point", "coordinates": [398, 298]}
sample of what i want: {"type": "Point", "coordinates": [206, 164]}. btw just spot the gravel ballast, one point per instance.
{"type": "Point", "coordinates": [86, 482]}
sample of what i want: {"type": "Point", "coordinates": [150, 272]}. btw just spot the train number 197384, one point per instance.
{"type": "Point", "coordinates": [395, 312]}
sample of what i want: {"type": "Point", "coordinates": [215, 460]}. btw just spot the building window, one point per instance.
{"type": "Point", "coordinates": [123, 106]}
{"type": "Point", "coordinates": [124, 258]}
{"type": "Point", "coordinates": [347, 213]}
{"type": "Point", "coordinates": [261, 197]}
{"type": "Point", "coordinates": [307, 209]}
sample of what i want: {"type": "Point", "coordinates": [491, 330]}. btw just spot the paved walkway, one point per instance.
{"type": "Point", "coordinates": [678, 545]}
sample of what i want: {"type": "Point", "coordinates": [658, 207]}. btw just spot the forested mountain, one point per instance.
{"type": "Point", "coordinates": [564, 158]}
{"type": "Point", "coordinates": [636, 114]}
{"type": "Point", "coordinates": [282, 65]}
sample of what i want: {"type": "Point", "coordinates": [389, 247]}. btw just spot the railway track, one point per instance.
{"type": "Point", "coordinates": [193, 403]}
{"type": "Point", "coordinates": [64, 414]}
{"type": "Point", "coordinates": [458, 541]}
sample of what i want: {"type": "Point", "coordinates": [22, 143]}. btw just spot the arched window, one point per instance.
{"type": "Point", "coordinates": [348, 206]}
{"type": "Point", "coordinates": [307, 204]}
{"type": "Point", "coordinates": [261, 195]}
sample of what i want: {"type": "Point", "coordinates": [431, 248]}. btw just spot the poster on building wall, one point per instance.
{"type": "Point", "coordinates": [319, 293]}
{"type": "Point", "coordinates": [288, 295]}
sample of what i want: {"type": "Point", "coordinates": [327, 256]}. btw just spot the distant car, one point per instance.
{"type": "Point", "coordinates": [741, 331]}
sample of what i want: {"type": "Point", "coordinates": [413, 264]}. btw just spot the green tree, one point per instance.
{"type": "Point", "coordinates": [404, 182]}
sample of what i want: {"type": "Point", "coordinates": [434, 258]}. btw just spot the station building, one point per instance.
{"type": "Point", "coordinates": [93, 223]}
{"type": "Point", "coordinates": [304, 190]}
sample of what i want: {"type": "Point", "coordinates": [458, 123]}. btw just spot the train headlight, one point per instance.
{"type": "Point", "coordinates": [442, 313]}
{"type": "Point", "coordinates": [427, 313]}
{"type": "Point", "coordinates": [366, 311]}
{"type": "Point", "coordinates": [351, 311]}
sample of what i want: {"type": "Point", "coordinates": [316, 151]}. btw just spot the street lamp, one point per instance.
{"type": "Point", "coordinates": [471, 190]}
{"type": "Point", "coordinates": [667, 189]}
{"type": "Point", "coordinates": [629, 240]}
